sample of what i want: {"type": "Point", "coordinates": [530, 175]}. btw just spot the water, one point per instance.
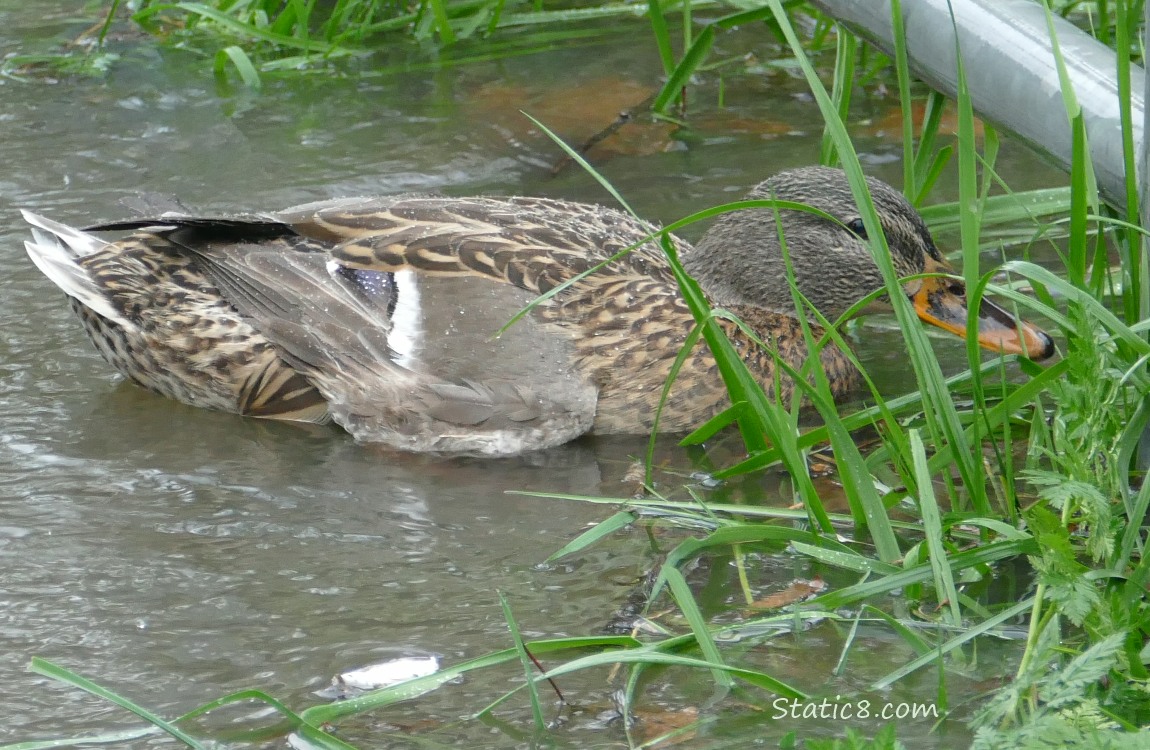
{"type": "Point", "coordinates": [177, 555]}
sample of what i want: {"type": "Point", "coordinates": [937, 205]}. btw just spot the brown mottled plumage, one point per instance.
{"type": "Point", "coordinates": [382, 313]}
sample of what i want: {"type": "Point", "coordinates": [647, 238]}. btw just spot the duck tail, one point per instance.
{"type": "Point", "coordinates": [57, 250]}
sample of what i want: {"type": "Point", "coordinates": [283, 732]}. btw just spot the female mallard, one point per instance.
{"type": "Point", "coordinates": [383, 313]}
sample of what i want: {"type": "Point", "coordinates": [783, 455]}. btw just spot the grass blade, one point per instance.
{"type": "Point", "coordinates": [242, 63]}
{"type": "Point", "coordinates": [605, 528]}
{"type": "Point", "coordinates": [318, 715]}
{"type": "Point", "coordinates": [526, 663]}
{"type": "Point", "coordinates": [965, 637]}
{"type": "Point", "coordinates": [686, 601]}
{"type": "Point", "coordinates": [56, 672]}
{"type": "Point", "coordinates": [682, 73]}
{"type": "Point", "coordinates": [662, 35]}
{"type": "Point", "coordinates": [969, 226]}
{"type": "Point", "coordinates": [235, 26]}
{"type": "Point", "coordinates": [939, 408]}
{"type": "Point", "coordinates": [442, 22]}
{"type": "Point", "coordinates": [932, 530]}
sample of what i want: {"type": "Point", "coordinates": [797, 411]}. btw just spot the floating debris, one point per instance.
{"type": "Point", "coordinates": [376, 676]}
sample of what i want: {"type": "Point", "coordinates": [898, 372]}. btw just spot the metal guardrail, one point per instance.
{"type": "Point", "coordinates": [1011, 73]}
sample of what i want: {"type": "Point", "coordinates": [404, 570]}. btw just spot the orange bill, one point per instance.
{"type": "Point", "coordinates": [942, 302]}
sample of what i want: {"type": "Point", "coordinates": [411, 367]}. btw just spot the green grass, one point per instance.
{"type": "Point", "coordinates": [250, 39]}
{"type": "Point", "coordinates": [1082, 419]}
{"type": "Point", "coordinates": [973, 472]}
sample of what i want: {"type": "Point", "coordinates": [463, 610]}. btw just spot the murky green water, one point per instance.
{"type": "Point", "coordinates": [177, 555]}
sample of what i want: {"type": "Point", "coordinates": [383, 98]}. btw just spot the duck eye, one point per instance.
{"type": "Point", "coordinates": [857, 226]}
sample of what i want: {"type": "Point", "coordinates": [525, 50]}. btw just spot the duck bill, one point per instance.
{"type": "Point", "coordinates": [942, 302]}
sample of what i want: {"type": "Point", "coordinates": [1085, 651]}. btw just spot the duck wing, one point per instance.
{"type": "Point", "coordinates": [623, 323]}
{"type": "Point", "coordinates": [409, 353]}
{"type": "Point", "coordinates": [534, 244]}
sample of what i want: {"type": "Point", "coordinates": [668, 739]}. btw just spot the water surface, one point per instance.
{"type": "Point", "coordinates": [177, 555]}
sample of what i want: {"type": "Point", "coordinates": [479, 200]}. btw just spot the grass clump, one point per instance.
{"type": "Point", "coordinates": [1084, 531]}
{"type": "Point", "coordinates": [255, 38]}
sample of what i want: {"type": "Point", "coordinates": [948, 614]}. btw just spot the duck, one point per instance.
{"type": "Point", "coordinates": [385, 314]}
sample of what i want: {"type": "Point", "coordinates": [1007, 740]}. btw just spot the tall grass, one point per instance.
{"type": "Point", "coordinates": [1084, 533]}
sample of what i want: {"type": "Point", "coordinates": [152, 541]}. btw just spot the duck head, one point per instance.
{"type": "Point", "coordinates": [740, 261]}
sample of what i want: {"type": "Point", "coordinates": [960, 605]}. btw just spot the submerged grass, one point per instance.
{"type": "Point", "coordinates": [953, 500]}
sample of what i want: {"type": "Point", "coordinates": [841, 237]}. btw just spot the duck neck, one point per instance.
{"type": "Point", "coordinates": [783, 336]}
{"type": "Point", "coordinates": [712, 277]}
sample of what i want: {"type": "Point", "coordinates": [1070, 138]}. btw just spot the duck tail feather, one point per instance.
{"type": "Point", "coordinates": [77, 243]}
{"type": "Point", "coordinates": [56, 250]}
